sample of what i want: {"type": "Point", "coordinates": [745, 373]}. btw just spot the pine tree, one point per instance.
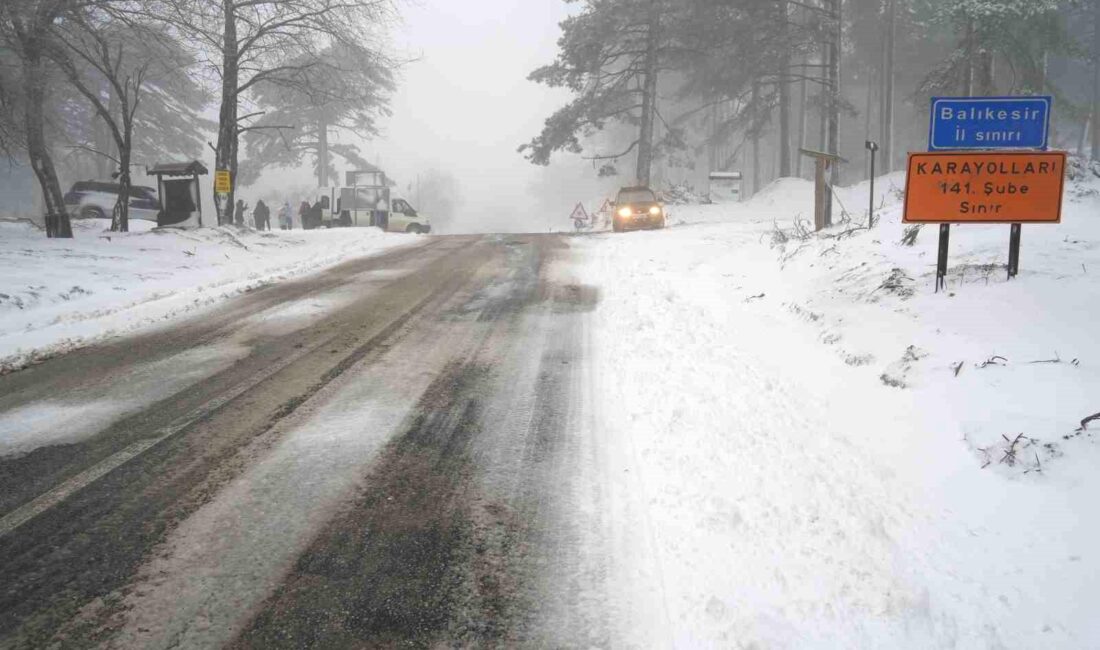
{"type": "Point", "coordinates": [611, 56]}
{"type": "Point", "coordinates": [743, 56]}
{"type": "Point", "coordinates": [1096, 80]}
{"type": "Point", "coordinates": [347, 90]}
{"type": "Point", "coordinates": [1021, 33]}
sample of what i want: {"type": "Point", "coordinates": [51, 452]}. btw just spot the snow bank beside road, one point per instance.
{"type": "Point", "coordinates": [813, 465]}
{"type": "Point", "coordinates": [58, 294]}
{"type": "Point", "coordinates": [989, 357]}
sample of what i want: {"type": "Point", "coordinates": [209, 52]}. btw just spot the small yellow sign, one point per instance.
{"type": "Point", "coordinates": [222, 182]}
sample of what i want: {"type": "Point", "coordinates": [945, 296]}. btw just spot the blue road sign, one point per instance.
{"type": "Point", "coordinates": [962, 123]}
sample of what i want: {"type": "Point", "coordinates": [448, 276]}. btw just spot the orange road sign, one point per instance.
{"type": "Point", "coordinates": [991, 187]}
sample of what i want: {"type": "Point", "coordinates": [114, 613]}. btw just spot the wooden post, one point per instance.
{"type": "Point", "coordinates": [198, 195]}
{"type": "Point", "coordinates": [819, 194]}
{"type": "Point", "coordinates": [871, 146]}
{"type": "Point", "coordinates": [822, 191]}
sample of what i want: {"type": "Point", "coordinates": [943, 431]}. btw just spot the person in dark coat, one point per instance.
{"type": "Point", "coordinates": [238, 214]}
{"type": "Point", "coordinates": [262, 216]}
{"type": "Point", "coordinates": [316, 215]}
{"type": "Point", "coordinates": [303, 214]}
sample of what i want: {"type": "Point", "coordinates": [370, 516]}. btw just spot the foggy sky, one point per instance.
{"type": "Point", "coordinates": [463, 105]}
{"type": "Point", "coordinates": [466, 104]}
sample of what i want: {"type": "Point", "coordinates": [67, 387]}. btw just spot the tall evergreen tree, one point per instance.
{"type": "Point", "coordinates": [1019, 32]}
{"type": "Point", "coordinates": [611, 56]}
{"type": "Point", "coordinates": [1096, 79]}
{"type": "Point", "coordinates": [347, 91]}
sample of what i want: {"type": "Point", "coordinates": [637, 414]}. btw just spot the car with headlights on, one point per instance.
{"type": "Point", "coordinates": [637, 208]}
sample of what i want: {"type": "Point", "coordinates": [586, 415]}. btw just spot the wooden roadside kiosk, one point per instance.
{"type": "Point", "coordinates": [180, 199]}
{"type": "Point", "coordinates": [823, 192]}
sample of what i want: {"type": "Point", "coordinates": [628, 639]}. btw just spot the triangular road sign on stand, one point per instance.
{"type": "Point", "coordinates": [579, 213]}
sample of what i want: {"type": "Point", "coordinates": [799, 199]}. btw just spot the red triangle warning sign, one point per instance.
{"type": "Point", "coordinates": [579, 213]}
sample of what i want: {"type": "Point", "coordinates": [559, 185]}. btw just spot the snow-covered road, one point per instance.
{"type": "Point", "coordinates": [393, 453]}
{"type": "Point", "coordinates": [724, 434]}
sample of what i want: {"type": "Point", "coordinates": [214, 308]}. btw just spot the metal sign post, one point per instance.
{"type": "Point", "coordinates": [1014, 250]}
{"type": "Point", "coordinates": [872, 146]}
{"type": "Point", "coordinates": [941, 261]}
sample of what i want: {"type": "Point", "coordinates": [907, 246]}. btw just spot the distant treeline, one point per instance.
{"type": "Point", "coordinates": [662, 86]}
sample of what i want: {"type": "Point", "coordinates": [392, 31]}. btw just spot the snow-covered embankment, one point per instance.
{"type": "Point", "coordinates": [60, 294]}
{"type": "Point", "coordinates": [811, 448]}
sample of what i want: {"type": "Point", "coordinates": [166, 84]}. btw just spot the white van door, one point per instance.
{"type": "Point", "coordinates": [401, 216]}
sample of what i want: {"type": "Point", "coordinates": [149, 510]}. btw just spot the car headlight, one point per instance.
{"type": "Point", "coordinates": [655, 211]}
{"type": "Point", "coordinates": [625, 212]}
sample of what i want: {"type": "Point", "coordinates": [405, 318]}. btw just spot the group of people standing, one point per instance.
{"type": "Point", "coordinates": [308, 216]}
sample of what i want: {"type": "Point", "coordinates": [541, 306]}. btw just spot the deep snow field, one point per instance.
{"type": "Point", "coordinates": [60, 294]}
{"type": "Point", "coordinates": [822, 452]}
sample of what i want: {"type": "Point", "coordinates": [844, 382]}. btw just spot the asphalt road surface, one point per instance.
{"type": "Point", "coordinates": [389, 453]}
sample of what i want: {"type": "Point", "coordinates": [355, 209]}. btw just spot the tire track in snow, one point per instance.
{"type": "Point", "coordinates": [109, 525]}
{"type": "Point", "coordinates": [93, 375]}
{"type": "Point", "coordinates": [457, 536]}
{"type": "Point", "coordinates": [390, 570]}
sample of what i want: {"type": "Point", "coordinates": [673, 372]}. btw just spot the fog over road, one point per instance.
{"type": "Point", "coordinates": [394, 451]}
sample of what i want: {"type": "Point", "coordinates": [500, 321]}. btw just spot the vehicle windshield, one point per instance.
{"type": "Point", "coordinates": [640, 195]}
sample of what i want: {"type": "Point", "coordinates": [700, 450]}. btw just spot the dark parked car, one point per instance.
{"type": "Point", "coordinates": [637, 207]}
{"type": "Point", "coordinates": [96, 200]}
